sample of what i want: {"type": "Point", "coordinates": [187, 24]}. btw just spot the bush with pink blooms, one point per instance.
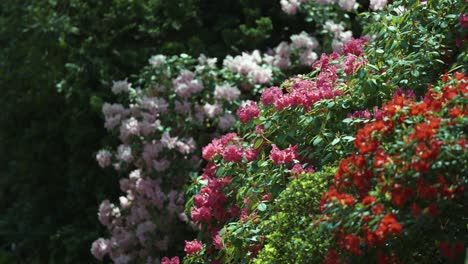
{"type": "Point", "coordinates": [177, 105]}
{"type": "Point", "coordinates": [308, 124]}
{"type": "Point", "coordinates": [302, 127]}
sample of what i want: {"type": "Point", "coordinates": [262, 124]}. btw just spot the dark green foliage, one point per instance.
{"type": "Point", "coordinates": [57, 61]}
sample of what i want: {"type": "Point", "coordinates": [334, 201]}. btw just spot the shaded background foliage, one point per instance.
{"type": "Point", "coordinates": [57, 62]}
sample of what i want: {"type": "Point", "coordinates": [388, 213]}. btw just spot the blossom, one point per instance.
{"type": "Point", "coordinates": [192, 247]}
{"type": "Point", "coordinates": [211, 110]}
{"type": "Point", "coordinates": [124, 153]}
{"type": "Point", "coordinates": [289, 6]}
{"type": "Point", "coordinates": [226, 92]}
{"type": "Point", "coordinates": [121, 86]}
{"type": "Point", "coordinates": [157, 60]}
{"type": "Point", "coordinates": [232, 153]}
{"type": "Point", "coordinates": [352, 244]}
{"type": "Point", "coordinates": [270, 95]}
{"type": "Point", "coordinates": [377, 4]}
{"type": "Point", "coordinates": [100, 248]}
{"type": "Point", "coordinates": [303, 40]}
{"type": "Point", "coordinates": [463, 20]}
{"type": "Point", "coordinates": [103, 158]}
{"type": "Point", "coordinates": [226, 121]}
{"type": "Point", "coordinates": [283, 156]}
{"type": "Point", "coordinates": [186, 85]}
{"type": "Point", "coordinates": [248, 111]}
{"type": "Point", "coordinates": [174, 260]}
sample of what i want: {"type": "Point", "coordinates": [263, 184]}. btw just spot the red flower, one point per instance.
{"type": "Point", "coordinates": [351, 243]}
{"type": "Point", "coordinates": [451, 250]}
{"type": "Point", "coordinates": [432, 210]}
{"type": "Point", "coordinates": [400, 195]}
{"type": "Point", "coordinates": [331, 257]}
{"type": "Point", "coordinates": [368, 200]}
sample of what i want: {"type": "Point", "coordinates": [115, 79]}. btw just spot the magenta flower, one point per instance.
{"type": "Point", "coordinates": [192, 247]}
{"type": "Point", "coordinates": [283, 156]}
{"type": "Point", "coordinates": [247, 112]}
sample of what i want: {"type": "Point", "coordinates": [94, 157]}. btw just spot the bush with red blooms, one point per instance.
{"type": "Point", "coordinates": [401, 196]}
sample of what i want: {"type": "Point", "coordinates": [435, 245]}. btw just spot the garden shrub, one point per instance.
{"type": "Point", "coordinates": [309, 122]}
{"type": "Point", "coordinates": [58, 60]}
{"type": "Point", "coordinates": [400, 196]}
{"type": "Point", "coordinates": [290, 230]}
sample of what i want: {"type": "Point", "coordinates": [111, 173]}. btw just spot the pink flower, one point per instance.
{"type": "Point", "coordinates": [201, 214]}
{"type": "Point", "coordinates": [377, 4]}
{"type": "Point", "coordinates": [283, 156]}
{"type": "Point", "coordinates": [270, 95]}
{"type": "Point", "coordinates": [217, 243]}
{"type": "Point", "coordinates": [103, 157]}
{"type": "Point", "coordinates": [100, 248]}
{"type": "Point", "coordinates": [192, 247]}
{"type": "Point", "coordinates": [250, 154]}
{"type": "Point", "coordinates": [232, 153]}
{"type": "Point", "coordinates": [247, 112]}
{"type": "Point", "coordinates": [354, 46]}
{"type": "Point", "coordinates": [212, 149]}
{"type": "Point", "coordinates": [463, 20]}
{"type": "Point", "coordinates": [174, 260]}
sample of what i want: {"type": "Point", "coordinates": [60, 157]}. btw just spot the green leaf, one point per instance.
{"type": "Point", "coordinates": [317, 141]}
{"type": "Point", "coordinates": [261, 207]}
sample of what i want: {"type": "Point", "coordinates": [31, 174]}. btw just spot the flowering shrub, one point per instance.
{"type": "Point", "coordinates": [309, 122]}
{"type": "Point", "coordinates": [399, 197]}
{"type": "Point", "coordinates": [295, 128]}
{"type": "Point", "coordinates": [244, 175]}
{"type": "Point", "coordinates": [175, 99]}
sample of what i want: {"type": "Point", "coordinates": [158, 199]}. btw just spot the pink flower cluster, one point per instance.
{"type": "Point", "coordinates": [287, 155]}
{"type": "Point", "coordinates": [249, 65]}
{"type": "Point", "coordinates": [230, 148]}
{"type": "Point", "coordinates": [291, 6]}
{"type": "Point", "coordinates": [248, 111]}
{"type": "Point", "coordinates": [186, 85]}
{"type": "Point", "coordinates": [192, 247]}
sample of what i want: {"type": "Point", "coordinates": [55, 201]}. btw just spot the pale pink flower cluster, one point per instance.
{"type": "Point", "coordinates": [157, 60]}
{"type": "Point", "coordinates": [303, 45]}
{"type": "Point", "coordinates": [377, 4]}
{"type": "Point", "coordinates": [121, 87]}
{"type": "Point", "coordinates": [132, 226]}
{"type": "Point", "coordinates": [103, 158]}
{"type": "Point", "coordinates": [340, 35]}
{"type": "Point", "coordinates": [157, 150]}
{"type": "Point", "coordinates": [250, 66]}
{"type": "Point", "coordinates": [291, 7]}
{"type": "Point", "coordinates": [185, 85]}
{"type": "Point", "coordinates": [226, 92]}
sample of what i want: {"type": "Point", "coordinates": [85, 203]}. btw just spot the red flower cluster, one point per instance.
{"type": "Point", "coordinates": [394, 159]}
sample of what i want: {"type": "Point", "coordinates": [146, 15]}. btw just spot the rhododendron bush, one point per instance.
{"type": "Point", "coordinates": [173, 109]}
{"type": "Point", "coordinates": [401, 194]}
{"type": "Point", "coordinates": [311, 121]}
{"type": "Point", "coordinates": [399, 163]}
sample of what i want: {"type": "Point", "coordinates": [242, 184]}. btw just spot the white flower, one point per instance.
{"type": "Point", "coordinates": [156, 60]}
{"type": "Point", "coordinates": [121, 86]}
